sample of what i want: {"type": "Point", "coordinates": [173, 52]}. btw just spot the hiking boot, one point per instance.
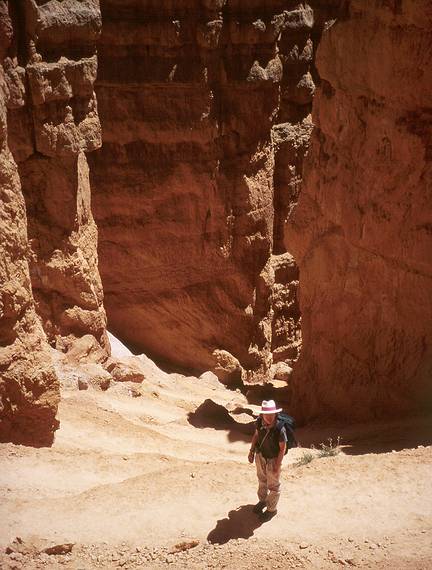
{"type": "Point", "coordinates": [259, 507]}
{"type": "Point", "coordinates": [267, 515]}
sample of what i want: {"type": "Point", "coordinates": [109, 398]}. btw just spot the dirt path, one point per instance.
{"type": "Point", "coordinates": [129, 478]}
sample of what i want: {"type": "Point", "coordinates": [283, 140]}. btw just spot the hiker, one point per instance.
{"type": "Point", "coordinates": [269, 444]}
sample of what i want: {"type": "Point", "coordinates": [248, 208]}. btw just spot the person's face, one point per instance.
{"type": "Point", "coordinates": [268, 418]}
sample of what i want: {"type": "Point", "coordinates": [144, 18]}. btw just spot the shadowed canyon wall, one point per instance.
{"type": "Point", "coordinates": [362, 232]}
{"type": "Point", "coordinates": [205, 110]}
{"type": "Point", "coordinates": [51, 290]}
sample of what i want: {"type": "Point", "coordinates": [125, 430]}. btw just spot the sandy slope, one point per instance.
{"type": "Point", "coordinates": [128, 478]}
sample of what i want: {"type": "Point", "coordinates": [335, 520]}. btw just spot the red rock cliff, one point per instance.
{"type": "Point", "coordinates": [362, 232]}
{"type": "Point", "coordinates": [50, 289]}
{"type": "Point", "coordinates": [204, 107]}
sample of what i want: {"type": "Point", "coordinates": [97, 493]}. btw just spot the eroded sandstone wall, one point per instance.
{"type": "Point", "coordinates": [29, 391]}
{"type": "Point", "coordinates": [204, 106]}
{"type": "Point", "coordinates": [50, 132]}
{"type": "Point", "coordinates": [362, 232]}
{"type": "Point", "coordinates": [49, 68]}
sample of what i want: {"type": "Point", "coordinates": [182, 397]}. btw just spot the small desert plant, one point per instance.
{"type": "Point", "coordinates": [306, 458]}
{"type": "Point", "coordinates": [327, 450]}
{"type": "Point", "coordinates": [331, 449]}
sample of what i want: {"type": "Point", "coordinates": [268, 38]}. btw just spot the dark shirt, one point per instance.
{"type": "Point", "coordinates": [268, 445]}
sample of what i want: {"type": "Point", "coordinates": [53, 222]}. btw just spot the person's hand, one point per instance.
{"type": "Point", "coordinates": [251, 456]}
{"type": "Point", "coordinates": [276, 467]}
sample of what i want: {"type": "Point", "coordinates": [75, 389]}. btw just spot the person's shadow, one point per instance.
{"type": "Point", "coordinates": [240, 523]}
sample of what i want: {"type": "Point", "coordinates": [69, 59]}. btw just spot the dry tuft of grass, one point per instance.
{"type": "Point", "coordinates": [331, 449]}
{"type": "Point", "coordinates": [306, 458]}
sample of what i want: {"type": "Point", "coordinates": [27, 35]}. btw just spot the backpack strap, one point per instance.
{"type": "Point", "coordinates": [259, 423]}
{"type": "Point", "coordinates": [265, 437]}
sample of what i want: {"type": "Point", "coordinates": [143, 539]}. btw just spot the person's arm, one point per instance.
{"type": "Point", "coordinates": [253, 446]}
{"type": "Point", "coordinates": [278, 463]}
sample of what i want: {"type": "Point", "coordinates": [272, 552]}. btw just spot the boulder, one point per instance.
{"type": "Point", "coordinates": [227, 368]}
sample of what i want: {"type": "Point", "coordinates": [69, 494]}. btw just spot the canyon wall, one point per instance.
{"type": "Point", "coordinates": [205, 111]}
{"type": "Point", "coordinates": [51, 289]}
{"type": "Point", "coordinates": [362, 232]}
{"type": "Point", "coordinates": [208, 212]}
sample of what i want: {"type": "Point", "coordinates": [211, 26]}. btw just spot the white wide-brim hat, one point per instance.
{"type": "Point", "coordinates": [269, 407]}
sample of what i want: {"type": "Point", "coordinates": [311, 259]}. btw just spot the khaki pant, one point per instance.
{"type": "Point", "coordinates": [268, 482]}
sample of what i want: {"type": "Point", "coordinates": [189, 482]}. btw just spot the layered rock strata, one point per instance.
{"type": "Point", "coordinates": [204, 106]}
{"type": "Point", "coordinates": [48, 71]}
{"type": "Point", "coordinates": [362, 232]}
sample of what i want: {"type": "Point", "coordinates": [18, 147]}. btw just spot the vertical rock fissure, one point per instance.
{"type": "Point", "coordinates": [18, 44]}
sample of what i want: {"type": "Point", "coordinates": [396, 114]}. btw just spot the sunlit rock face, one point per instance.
{"type": "Point", "coordinates": [50, 289]}
{"type": "Point", "coordinates": [361, 233]}
{"type": "Point", "coordinates": [205, 111]}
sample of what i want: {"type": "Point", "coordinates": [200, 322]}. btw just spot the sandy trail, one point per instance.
{"type": "Point", "coordinates": [128, 478]}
